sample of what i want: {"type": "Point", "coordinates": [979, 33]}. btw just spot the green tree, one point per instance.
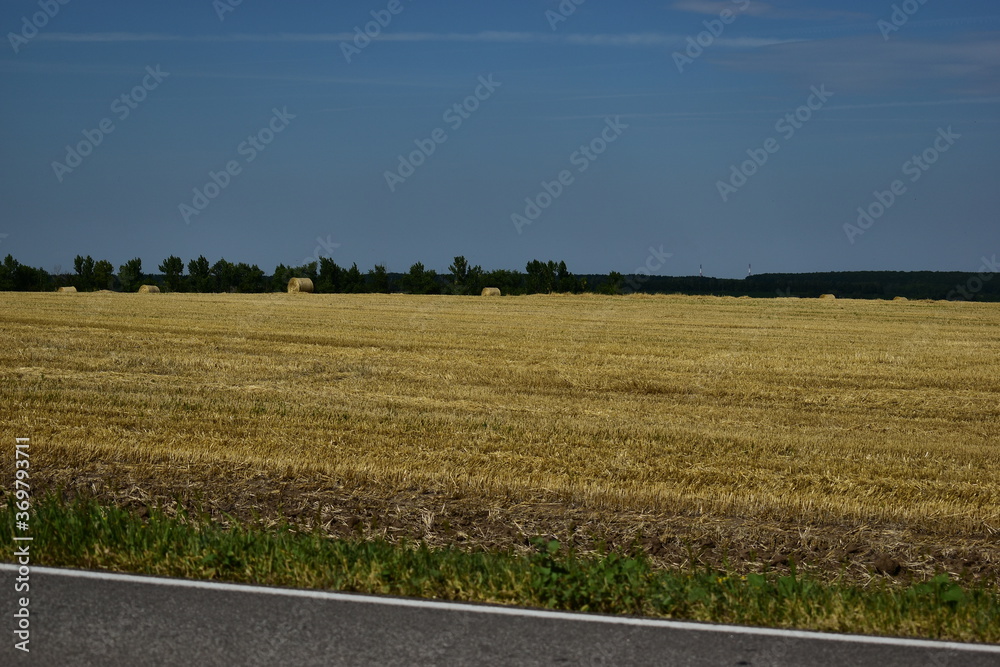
{"type": "Point", "coordinates": [306, 271]}
{"type": "Point", "coordinates": [379, 279]}
{"type": "Point", "coordinates": [249, 279]}
{"type": "Point", "coordinates": [84, 267]}
{"type": "Point", "coordinates": [459, 277]}
{"type": "Point", "coordinates": [19, 277]}
{"type": "Point", "coordinates": [613, 284]}
{"type": "Point", "coordinates": [331, 277]}
{"type": "Point", "coordinates": [130, 274]}
{"type": "Point", "coordinates": [30, 279]}
{"type": "Point", "coordinates": [200, 272]}
{"type": "Point", "coordinates": [252, 278]}
{"type": "Point", "coordinates": [541, 277]}
{"type": "Point", "coordinates": [8, 273]}
{"type": "Point", "coordinates": [464, 279]}
{"type": "Point", "coordinates": [279, 280]}
{"type": "Point", "coordinates": [420, 280]}
{"type": "Point", "coordinates": [354, 282]}
{"type": "Point", "coordinates": [566, 281]}
{"type": "Point", "coordinates": [224, 275]}
{"type": "Point", "coordinates": [474, 280]}
{"type": "Point", "coordinates": [173, 268]}
{"type": "Point", "coordinates": [104, 274]}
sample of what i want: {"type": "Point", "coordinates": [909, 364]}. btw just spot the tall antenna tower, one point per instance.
{"type": "Point", "coordinates": [700, 272]}
{"type": "Point", "coordinates": [749, 270]}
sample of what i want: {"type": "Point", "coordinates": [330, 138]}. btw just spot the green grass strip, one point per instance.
{"type": "Point", "coordinates": [84, 534]}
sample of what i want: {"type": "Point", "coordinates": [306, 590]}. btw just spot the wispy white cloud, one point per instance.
{"type": "Point", "coordinates": [766, 10]}
{"type": "Point", "coordinates": [645, 39]}
{"type": "Point", "coordinates": [970, 66]}
{"type": "Point", "coordinates": [923, 103]}
{"type": "Point", "coordinates": [771, 111]}
{"type": "Point", "coordinates": [76, 68]}
{"type": "Point", "coordinates": [716, 7]}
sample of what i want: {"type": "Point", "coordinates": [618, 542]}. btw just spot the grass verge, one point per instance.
{"type": "Point", "coordinates": [85, 534]}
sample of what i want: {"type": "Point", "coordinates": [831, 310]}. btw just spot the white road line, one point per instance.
{"type": "Point", "coordinates": [509, 611]}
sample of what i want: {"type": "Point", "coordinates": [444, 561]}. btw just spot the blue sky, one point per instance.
{"type": "Point", "coordinates": [644, 129]}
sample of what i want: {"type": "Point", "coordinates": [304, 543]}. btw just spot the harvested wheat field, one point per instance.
{"type": "Point", "coordinates": [839, 434]}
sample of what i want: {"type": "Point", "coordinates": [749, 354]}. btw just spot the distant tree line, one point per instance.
{"type": "Point", "coordinates": [937, 285]}
{"type": "Point", "coordinates": [200, 275]}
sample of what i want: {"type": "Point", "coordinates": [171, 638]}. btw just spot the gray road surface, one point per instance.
{"type": "Point", "coordinates": [84, 618]}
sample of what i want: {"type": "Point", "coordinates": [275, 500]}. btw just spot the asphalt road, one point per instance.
{"type": "Point", "coordinates": [84, 618]}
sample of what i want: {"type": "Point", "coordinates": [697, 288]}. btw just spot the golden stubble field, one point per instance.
{"type": "Point", "coordinates": [700, 428]}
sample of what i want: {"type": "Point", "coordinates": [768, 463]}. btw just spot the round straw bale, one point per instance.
{"type": "Point", "coordinates": [491, 291]}
{"type": "Point", "coordinates": [296, 285]}
{"type": "Point", "coordinates": [899, 298]}
{"type": "Point", "coordinates": [828, 296]}
{"type": "Point", "coordinates": [66, 289]}
{"type": "Point", "coordinates": [149, 289]}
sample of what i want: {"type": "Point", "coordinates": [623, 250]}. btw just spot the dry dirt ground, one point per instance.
{"type": "Point", "coordinates": [849, 552]}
